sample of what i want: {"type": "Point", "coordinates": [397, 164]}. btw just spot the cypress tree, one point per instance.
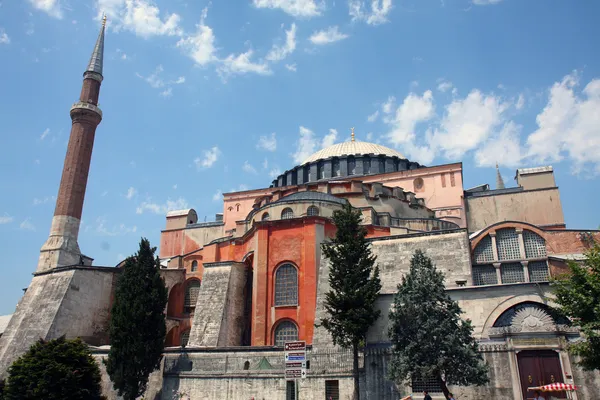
{"type": "Point", "coordinates": [429, 338]}
{"type": "Point", "coordinates": [57, 369]}
{"type": "Point", "coordinates": [137, 323]}
{"type": "Point", "coordinates": [355, 285]}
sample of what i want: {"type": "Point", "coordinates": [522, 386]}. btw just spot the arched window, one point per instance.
{"type": "Point", "coordinates": [507, 241]}
{"type": "Point", "coordinates": [367, 166]}
{"type": "Point", "coordinates": [320, 170]}
{"type": "Point", "coordinates": [312, 211]}
{"type": "Point", "coordinates": [194, 266]}
{"type": "Point", "coordinates": [237, 207]}
{"type": "Point", "coordinates": [191, 294]}
{"type": "Point", "coordinates": [266, 216]}
{"type": "Point", "coordinates": [335, 166]}
{"type": "Point", "coordinates": [184, 338]}
{"type": "Point", "coordinates": [286, 286]}
{"type": "Point", "coordinates": [381, 166]}
{"type": "Point", "coordinates": [535, 245]}
{"type": "Point", "coordinates": [484, 252]}
{"type": "Point", "coordinates": [287, 213]}
{"type": "Point", "coordinates": [286, 331]}
{"type": "Point", "coordinates": [351, 166]}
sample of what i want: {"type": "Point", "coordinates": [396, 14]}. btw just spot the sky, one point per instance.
{"type": "Point", "coordinates": [202, 98]}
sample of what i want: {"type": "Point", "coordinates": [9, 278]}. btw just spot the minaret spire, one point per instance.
{"type": "Point", "coordinates": [352, 135]}
{"type": "Point", "coordinates": [61, 249]}
{"type": "Point", "coordinates": [499, 180]}
{"type": "Point", "coordinates": [97, 58]}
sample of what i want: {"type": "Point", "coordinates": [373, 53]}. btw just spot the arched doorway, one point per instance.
{"type": "Point", "coordinates": [537, 368]}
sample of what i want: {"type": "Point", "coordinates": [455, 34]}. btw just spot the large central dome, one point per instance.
{"type": "Point", "coordinates": [352, 148]}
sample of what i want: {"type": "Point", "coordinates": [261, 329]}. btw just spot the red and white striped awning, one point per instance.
{"type": "Point", "coordinates": [555, 387]}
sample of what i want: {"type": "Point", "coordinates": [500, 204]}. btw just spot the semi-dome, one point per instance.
{"type": "Point", "coordinates": [352, 148]}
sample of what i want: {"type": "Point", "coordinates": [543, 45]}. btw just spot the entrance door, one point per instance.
{"type": "Point", "coordinates": [537, 368]}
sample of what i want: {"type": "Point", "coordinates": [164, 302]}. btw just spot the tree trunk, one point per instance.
{"type": "Point", "coordinates": [356, 395]}
{"type": "Point", "coordinates": [445, 390]}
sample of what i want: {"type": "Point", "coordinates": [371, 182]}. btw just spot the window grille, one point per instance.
{"type": "Point", "coordinates": [535, 245]}
{"type": "Point", "coordinates": [320, 170]}
{"type": "Point", "coordinates": [332, 390]}
{"type": "Point", "coordinates": [484, 275]}
{"type": "Point", "coordinates": [191, 294]}
{"type": "Point", "coordinates": [287, 213]}
{"type": "Point", "coordinates": [312, 211]}
{"type": "Point", "coordinates": [184, 338]}
{"type": "Point", "coordinates": [286, 285]}
{"type": "Point", "coordinates": [194, 266]}
{"type": "Point", "coordinates": [290, 390]}
{"type": "Point", "coordinates": [484, 251]}
{"type": "Point", "coordinates": [429, 384]}
{"type": "Point", "coordinates": [507, 241]}
{"type": "Point", "coordinates": [538, 271]}
{"type": "Point", "coordinates": [351, 166]}
{"type": "Point", "coordinates": [286, 331]}
{"type": "Point", "coordinates": [266, 217]}
{"type": "Point", "coordinates": [512, 273]}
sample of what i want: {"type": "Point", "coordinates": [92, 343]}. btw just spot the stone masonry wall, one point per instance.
{"type": "Point", "coordinates": [450, 252]}
{"type": "Point", "coordinates": [233, 316]}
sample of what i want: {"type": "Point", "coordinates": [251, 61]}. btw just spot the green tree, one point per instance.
{"type": "Point", "coordinates": [578, 298]}
{"type": "Point", "coordinates": [429, 338]}
{"type": "Point", "coordinates": [355, 285]}
{"type": "Point", "coordinates": [56, 369]}
{"type": "Point", "coordinates": [137, 323]}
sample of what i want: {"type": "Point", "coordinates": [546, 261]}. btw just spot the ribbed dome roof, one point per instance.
{"type": "Point", "coordinates": [352, 148]}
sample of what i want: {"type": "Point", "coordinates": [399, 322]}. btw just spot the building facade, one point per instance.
{"type": "Point", "coordinates": [252, 279]}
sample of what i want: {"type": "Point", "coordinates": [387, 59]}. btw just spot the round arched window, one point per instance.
{"type": "Point", "coordinates": [312, 211]}
{"type": "Point", "coordinates": [194, 266]}
{"type": "Point", "coordinates": [419, 185]}
{"type": "Point", "coordinates": [286, 331]}
{"type": "Point", "coordinates": [287, 213]}
{"type": "Point", "coordinates": [266, 217]}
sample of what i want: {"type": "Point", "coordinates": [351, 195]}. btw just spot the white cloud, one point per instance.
{"type": "Point", "coordinates": [278, 53]}
{"type": "Point", "coordinates": [291, 67]}
{"type": "Point", "coordinates": [141, 17]}
{"type": "Point", "coordinates": [274, 173]}
{"type": "Point", "coordinates": [26, 225]}
{"type": "Point", "coordinates": [45, 133]}
{"type": "Point", "coordinates": [168, 92]}
{"type": "Point", "coordinates": [329, 35]}
{"type": "Point", "coordinates": [268, 143]}
{"type": "Point", "coordinates": [50, 7]}
{"type": "Point", "coordinates": [373, 117]}
{"type": "Point", "coordinates": [378, 13]}
{"type": "Point", "coordinates": [568, 125]}
{"type": "Point", "coordinates": [242, 64]}
{"type": "Point", "coordinates": [295, 8]}
{"type": "Point", "coordinates": [306, 145]}
{"type": "Point", "coordinates": [200, 46]}
{"type": "Point", "coordinates": [154, 79]}
{"type": "Point", "coordinates": [265, 164]}
{"type": "Point", "coordinates": [520, 102]}
{"type": "Point", "coordinates": [485, 2]}
{"type": "Point", "coordinates": [444, 86]}
{"type": "Point", "coordinates": [4, 39]}
{"type": "Point", "coordinates": [413, 110]}
{"type": "Point", "coordinates": [164, 208]}
{"type": "Point", "coordinates": [388, 105]}
{"type": "Point", "coordinates": [503, 148]}
{"type": "Point", "coordinates": [468, 123]}
{"type": "Point", "coordinates": [175, 187]}
{"type": "Point", "coordinates": [37, 202]}
{"type": "Point", "coordinates": [121, 229]}
{"type": "Point", "coordinates": [329, 139]}
{"type": "Point", "coordinates": [247, 167]}
{"type": "Point", "coordinates": [130, 193]}
{"type": "Point", "coordinates": [209, 158]}
{"type": "Point", "coordinates": [6, 219]}
{"type": "Point", "coordinates": [217, 196]}
{"type": "Point", "coordinates": [179, 80]}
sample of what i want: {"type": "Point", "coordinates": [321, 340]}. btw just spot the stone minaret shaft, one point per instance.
{"type": "Point", "coordinates": [499, 180]}
{"type": "Point", "coordinates": [61, 248]}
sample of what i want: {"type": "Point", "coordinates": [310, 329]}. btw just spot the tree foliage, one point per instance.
{"type": "Point", "coordinates": [578, 298]}
{"type": "Point", "coordinates": [355, 284]}
{"type": "Point", "coordinates": [56, 369]}
{"type": "Point", "coordinates": [137, 324]}
{"type": "Point", "coordinates": [430, 340]}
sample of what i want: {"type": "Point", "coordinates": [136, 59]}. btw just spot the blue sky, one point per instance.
{"type": "Point", "coordinates": [202, 98]}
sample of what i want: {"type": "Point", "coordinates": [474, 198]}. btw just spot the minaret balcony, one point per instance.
{"type": "Point", "coordinates": [81, 105]}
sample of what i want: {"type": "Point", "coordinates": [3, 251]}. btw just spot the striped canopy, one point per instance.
{"type": "Point", "coordinates": [554, 387]}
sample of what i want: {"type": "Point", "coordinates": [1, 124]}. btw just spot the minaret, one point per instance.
{"type": "Point", "coordinates": [499, 180]}
{"type": "Point", "coordinates": [61, 248]}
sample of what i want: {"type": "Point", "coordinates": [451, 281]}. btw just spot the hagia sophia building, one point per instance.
{"type": "Point", "coordinates": [255, 277]}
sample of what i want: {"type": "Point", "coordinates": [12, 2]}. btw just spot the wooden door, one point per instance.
{"type": "Point", "coordinates": [537, 368]}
